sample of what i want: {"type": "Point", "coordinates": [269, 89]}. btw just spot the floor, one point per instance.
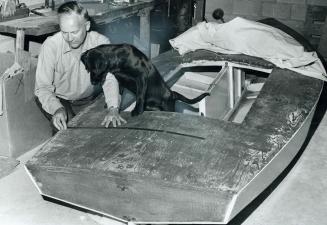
{"type": "Point", "coordinates": [21, 204]}
{"type": "Point", "coordinates": [297, 197]}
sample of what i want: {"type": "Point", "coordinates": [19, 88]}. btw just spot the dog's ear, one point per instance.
{"type": "Point", "coordinates": [94, 60]}
{"type": "Point", "coordinates": [99, 61]}
{"type": "Point", "coordinates": [84, 60]}
{"type": "Point", "coordinates": [96, 64]}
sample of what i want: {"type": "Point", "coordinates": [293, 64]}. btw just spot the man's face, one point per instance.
{"type": "Point", "coordinates": [73, 28]}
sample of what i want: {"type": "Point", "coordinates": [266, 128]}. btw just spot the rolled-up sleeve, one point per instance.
{"type": "Point", "coordinates": [44, 88]}
{"type": "Point", "coordinates": [110, 87]}
{"type": "Point", "coordinates": [111, 91]}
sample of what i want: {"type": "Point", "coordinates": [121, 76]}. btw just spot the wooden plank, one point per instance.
{"type": "Point", "coordinates": [145, 29]}
{"type": "Point", "coordinates": [322, 47]}
{"type": "Point", "coordinates": [21, 115]}
{"type": "Point", "coordinates": [33, 25]}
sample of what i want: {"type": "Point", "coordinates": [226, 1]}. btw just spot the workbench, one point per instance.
{"type": "Point", "coordinates": [37, 25]}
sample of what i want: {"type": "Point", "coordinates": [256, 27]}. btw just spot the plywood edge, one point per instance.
{"type": "Point", "coordinates": [222, 63]}
{"type": "Point", "coordinates": [271, 171]}
{"type": "Point", "coordinates": [68, 202]}
{"type": "Point", "coordinates": [49, 194]}
{"type": "Point", "coordinates": [230, 209]}
{"type": "Point", "coordinates": [33, 179]}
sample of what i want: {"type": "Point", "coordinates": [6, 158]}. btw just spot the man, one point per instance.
{"type": "Point", "coordinates": [62, 83]}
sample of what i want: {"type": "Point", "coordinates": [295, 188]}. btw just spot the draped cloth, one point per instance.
{"type": "Point", "coordinates": [242, 36]}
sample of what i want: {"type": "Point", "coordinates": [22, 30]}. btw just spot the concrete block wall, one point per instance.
{"type": "Point", "coordinates": [291, 12]}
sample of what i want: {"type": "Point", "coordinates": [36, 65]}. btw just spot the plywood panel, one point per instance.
{"type": "Point", "coordinates": [23, 125]}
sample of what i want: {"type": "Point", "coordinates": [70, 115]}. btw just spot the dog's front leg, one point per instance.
{"type": "Point", "coordinates": [168, 105]}
{"type": "Point", "coordinates": [141, 87]}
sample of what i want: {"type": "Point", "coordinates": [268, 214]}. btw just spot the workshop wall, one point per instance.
{"type": "Point", "coordinates": [32, 2]}
{"type": "Point", "coordinates": [7, 43]}
{"type": "Point", "coordinates": [305, 16]}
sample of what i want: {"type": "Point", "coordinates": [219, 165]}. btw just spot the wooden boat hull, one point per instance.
{"type": "Point", "coordinates": [174, 168]}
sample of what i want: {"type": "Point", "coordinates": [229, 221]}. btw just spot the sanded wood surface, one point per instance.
{"type": "Point", "coordinates": [171, 167]}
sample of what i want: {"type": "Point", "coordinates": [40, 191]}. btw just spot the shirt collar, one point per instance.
{"type": "Point", "coordinates": [67, 49]}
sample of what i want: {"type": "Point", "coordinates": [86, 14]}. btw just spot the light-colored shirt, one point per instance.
{"type": "Point", "coordinates": [60, 72]}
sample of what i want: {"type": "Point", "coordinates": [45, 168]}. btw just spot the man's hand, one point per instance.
{"type": "Point", "coordinates": [59, 119]}
{"type": "Point", "coordinates": [113, 117]}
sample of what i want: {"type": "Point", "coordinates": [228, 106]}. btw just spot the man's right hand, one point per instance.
{"type": "Point", "coordinates": [59, 119]}
{"type": "Point", "coordinates": [113, 117]}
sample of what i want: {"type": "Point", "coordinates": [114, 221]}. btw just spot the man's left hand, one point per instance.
{"type": "Point", "coordinates": [113, 117]}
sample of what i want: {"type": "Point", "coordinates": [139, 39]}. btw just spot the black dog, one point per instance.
{"type": "Point", "coordinates": [134, 71]}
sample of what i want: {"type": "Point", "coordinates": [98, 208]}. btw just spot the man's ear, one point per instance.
{"type": "Point", "coordinates": [88, 25]}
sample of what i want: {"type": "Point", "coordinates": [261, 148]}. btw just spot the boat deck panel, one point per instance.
{"type": "Point", "coordinates": [284, 102]}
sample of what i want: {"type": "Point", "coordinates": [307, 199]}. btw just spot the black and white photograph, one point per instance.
{"type": "Point", "coordinates": [163, 112]}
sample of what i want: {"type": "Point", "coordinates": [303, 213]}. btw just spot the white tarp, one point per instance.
{"type": "Point", "coordinates": [241, 36]}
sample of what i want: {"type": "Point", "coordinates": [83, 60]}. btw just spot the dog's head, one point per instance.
{"type": "Point", "coordinates": [96, 64]}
